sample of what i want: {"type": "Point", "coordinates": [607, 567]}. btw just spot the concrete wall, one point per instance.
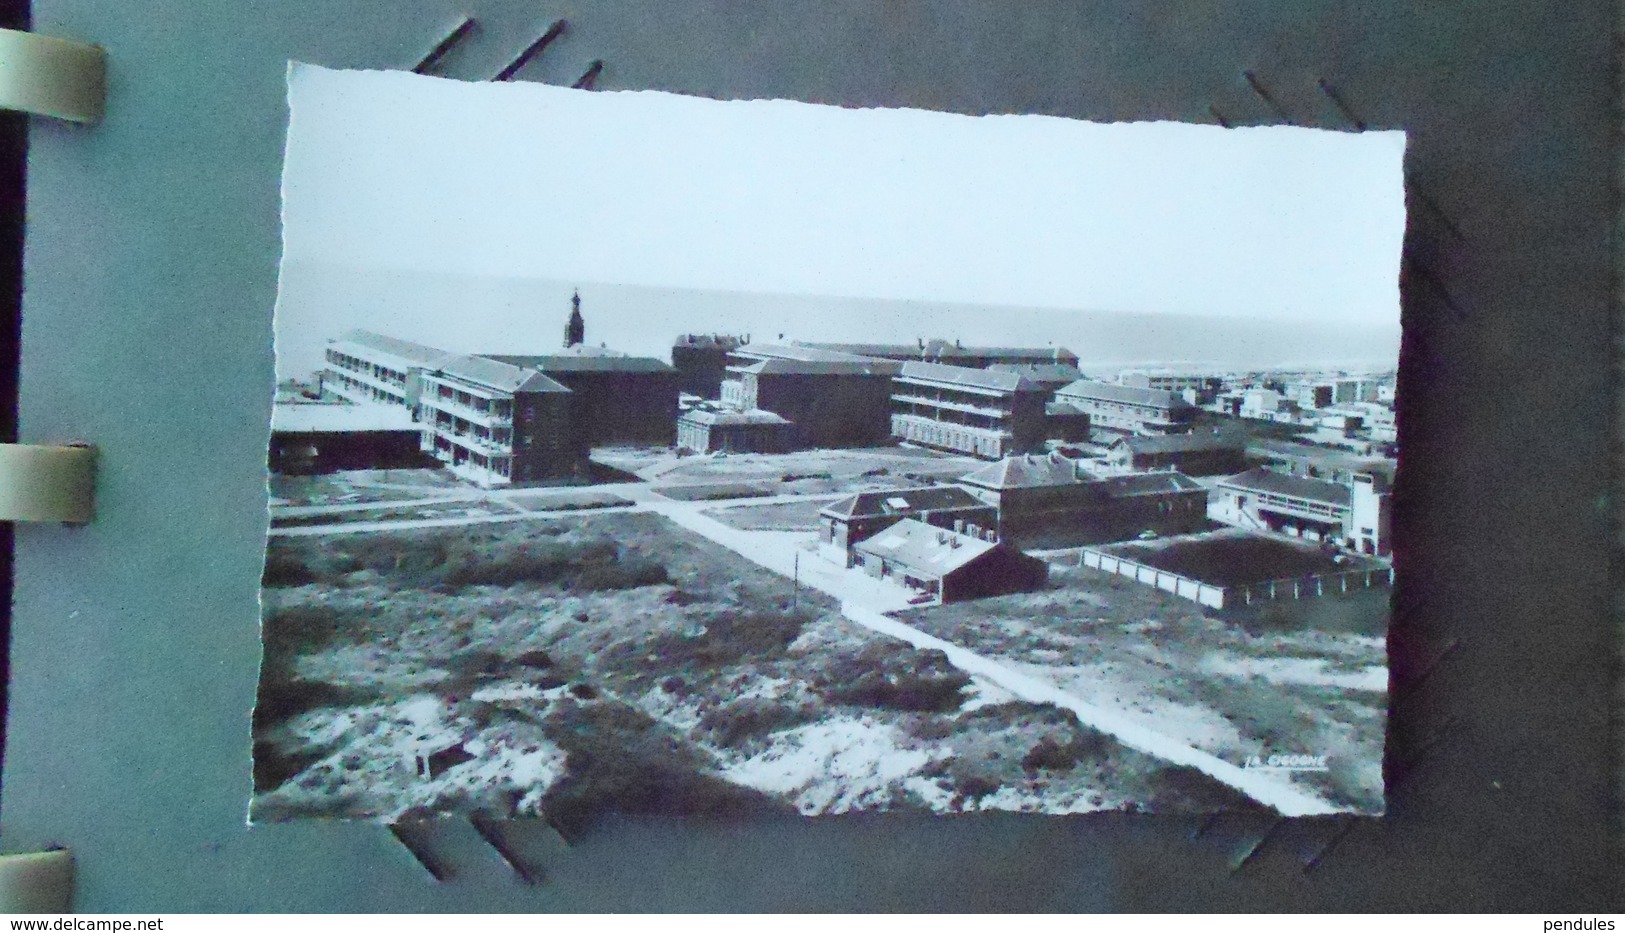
{"type": "Point", "coordinates": [1219, 597]}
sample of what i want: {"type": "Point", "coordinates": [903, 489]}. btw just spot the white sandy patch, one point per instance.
{"type": "Point", "coordinates": [833, 766]}
{"type": "Point", "coordinates": [1306, 671]}
{"type": "Point", "coordinates": [1100, 685]}
{"type": "Point", "coordinates": [982, 692]}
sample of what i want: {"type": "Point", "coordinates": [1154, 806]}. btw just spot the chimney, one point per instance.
{"type": "Point", "coordinates": [959, 526]}
{"type": "Point", "coordinates": [975, 531]}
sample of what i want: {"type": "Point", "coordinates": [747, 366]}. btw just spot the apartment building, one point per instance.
{"type": "Point", "coordinates": [981, 412]}
{"type": "Point", "coordinates": [366, 367]}
{"type": "Point", "coordinates": [493, 423]}
{"type": "Point", "coordinates": [1201, 387]}
{"type": "Point", "coordinates": [1129, 409]}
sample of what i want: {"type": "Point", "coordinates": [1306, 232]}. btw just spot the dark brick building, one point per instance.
{"type": "Point", "coordinates": [835, 399]}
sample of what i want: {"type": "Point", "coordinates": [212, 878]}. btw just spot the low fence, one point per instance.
{"type": "Point", "coordinates": [1221, 597]}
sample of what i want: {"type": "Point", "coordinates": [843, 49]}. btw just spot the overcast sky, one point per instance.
{"type": "Point", "coordinates": [521, 181]}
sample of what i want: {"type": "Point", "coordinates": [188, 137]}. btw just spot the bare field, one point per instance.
{"type": "Point", "coordinates": [617, 663]}
{"type": "Point", "coordinates": [773, 516]}
{"type": "Point", "coordinates": [360, 486]}
{"type": "Point", "coordinates": [1309, 679]}
{"type": "Point", "coordinates": [809, 472]}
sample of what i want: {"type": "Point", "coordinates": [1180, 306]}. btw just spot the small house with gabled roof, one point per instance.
{"type": "Point", "coordinates": [846, 522]}
{"type": "Point", "coordinates": [942, 565]}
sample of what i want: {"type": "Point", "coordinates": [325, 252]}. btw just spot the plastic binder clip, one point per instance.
{"type": "Point", "coordinates": [41, 483]}
{"type": "Point", "coordinates": [36, 882]}
{"type": "Point", "coordinates": [52, 77]}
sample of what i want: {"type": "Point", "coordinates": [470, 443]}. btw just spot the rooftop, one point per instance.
{"type": "Point", "coordinates": [967, 376]}
{"type": "Point", "coordinates": [582, 358]}
{"type": "Point", "coordinates": [924, 548]}
{"type": "Point", "coordinates": [338, 417]}
{"type": "Point", "coordinates": [793, 359]}
{"type": "Point", "coordinates": [1146, 484]}
{"type": "Point", "coordinates": [1025, 471]}
{"type": "Point", "coordinates": [902, 501]}
{"type": "Point", "coordinates": [1176, 443]}
{"type": "Point", "coordinates": [711, 416]}
{"type": "Point", "coordinates": [1132, 395]}
{"type": "Point", "coordinates": [1263, 479]}
{"type": "Point", "coordinates": [1045, 373]}
{"type": "Point", "coordinates": [495, 374]}
{"type": "Point", "coordinates": [404, 351]}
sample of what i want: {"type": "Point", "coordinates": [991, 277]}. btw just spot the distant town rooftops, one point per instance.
{"type": "Point", "coordinates": [950, 350]}
{"type": "Point", "coordinates": [967, 376]}
{"type": "Point", "coordinates": [917, 545]}
{"type": "Point", "coordinates": [582, 358]}
{"type": "Point", "coordinates": [1262, 479]}
{"type": "Point", "coordinates": [1025, 471]}
{"type": "Point", "coordinates": [903, 502]}
{"type": "Point", "coordinates": [1130, 395]}
{"type": "Point", "coordinates": [495, 374]}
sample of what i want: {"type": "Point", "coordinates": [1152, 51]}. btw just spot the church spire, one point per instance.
{"type": "Point", "coordinates": [576, 330]}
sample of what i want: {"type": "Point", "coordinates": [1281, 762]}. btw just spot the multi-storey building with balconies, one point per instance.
{"type": "Point", "coordinates": [366, 367]}
{"type": "Point", "coordinates": [1129, 409]}
{"type": "Point", "coordinates": [495, 424]}
{"type": "Point", "coordinates": [980, 412]}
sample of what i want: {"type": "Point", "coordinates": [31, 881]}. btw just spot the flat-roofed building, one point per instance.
{"type": "Point", "coordinates": [834, 399]}
{"type": "Point", "coordinates": [621, 399]}
{"type": "Point", "coordinates": [845, 522]}
{"type": "Point", "coordinates": [1051, 501]}
{"type": "Point", "coordinates": [954, 353]}
{"type": "Point", "coordinates": [981, 412]}
{"type": "Point", "coordinates": [310, 437]}
{"type": "Point", "coordinates": [1354, 514]}
{"type": "Point", "coordinates": [1199, 453]}
{"type": "Point", "coordinates": [494, 423]}
{"type": "Point", "coordinates": [1202, 387]}
{"type": "Point", "coordinates": [707, 429]}
{"type": "Point", "coordinates": [1311, 394]}
{"type": "Point", "coordinates": [1129, 410]}
{"type": "Point", "coordinates": [941, 566]}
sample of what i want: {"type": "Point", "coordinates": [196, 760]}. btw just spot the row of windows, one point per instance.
{"type": "Point", "coordinates": [356, 364]}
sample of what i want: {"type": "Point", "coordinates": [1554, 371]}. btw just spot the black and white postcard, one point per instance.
{"type": "Point", "coordinates": [649, 454]}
